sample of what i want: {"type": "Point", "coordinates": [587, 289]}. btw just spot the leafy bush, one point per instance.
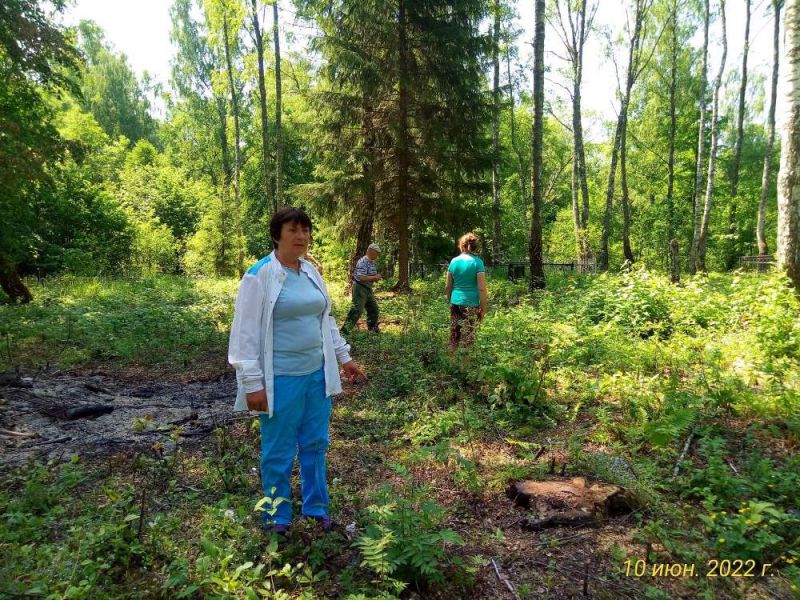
{"type": "Point", "coordinates": [154, 249]}
{"type": "Point", "coordinates": [752, 513]}
{"type": "Point", "coordinates": [403, 541]}
{"type": "Point", "coordinates": [520, 391]}
{"type": "Point", "coordinates": [757, 531]}
{"type": "Point", "coordinates": [638, 301]}
{"type": "Point", "coordinates": [73, 320]}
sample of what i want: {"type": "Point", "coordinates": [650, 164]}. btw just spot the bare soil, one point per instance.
{"type": "Point", "coordinates": [52, 416]}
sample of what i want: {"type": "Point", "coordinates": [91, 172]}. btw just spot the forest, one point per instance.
{"type": "Point", "coordinates": [642, 334]}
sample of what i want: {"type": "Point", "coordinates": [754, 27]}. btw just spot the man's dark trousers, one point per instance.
{"type": "Point", "coordinates": [363, 297]}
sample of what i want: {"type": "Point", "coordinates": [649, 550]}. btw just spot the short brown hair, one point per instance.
{"type": "Point", "coordinates": [468, 242]}
{"type": "Point", "coordinates": [287, 214]}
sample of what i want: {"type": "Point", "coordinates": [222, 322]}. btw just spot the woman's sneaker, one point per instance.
{"type": "Point", "coordinates": [278, 528]}
{"type": "Point", "coordinates": [325, 521]}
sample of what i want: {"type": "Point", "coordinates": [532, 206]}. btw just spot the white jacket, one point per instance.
{"type": "Point", "coordinates": [250, 347]}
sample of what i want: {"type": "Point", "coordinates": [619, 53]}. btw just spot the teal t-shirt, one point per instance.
{"type": "Point", "coordinates": [465, 269]}
{"type": "Point", "coordinates": [297, 326]}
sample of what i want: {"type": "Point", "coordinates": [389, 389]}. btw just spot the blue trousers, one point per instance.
{"type": "Point", "coordinates": [299, 426]}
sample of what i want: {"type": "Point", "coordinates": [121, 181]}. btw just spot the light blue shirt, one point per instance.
{"type": "Point", "coordinates": [297, 326]}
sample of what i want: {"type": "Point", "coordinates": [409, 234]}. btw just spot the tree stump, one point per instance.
{"type": "Point", "coordinates": [568, 502]}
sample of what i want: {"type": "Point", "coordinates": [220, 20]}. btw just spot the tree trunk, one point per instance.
{"type": "Point", "coordinates": [537, 280]}
{"type": "Point", "coordinates": [573, 26]}
{"type": "Point", "coordinates": [626, 203]}
{"type": "Point", "coordinates": [673, 76]}
{"type": "Point", "coordinates": [763, 248]}
{"type": "Point", "coordinates": [523, 189]}
{"type": "Point", "coordinates": [236, 161]}
{"type": "Point", "coordinates": [737, 152]}
{"type": "Point", "coordinates": [634, 62]}
{"type": "Point", "coordinates": [581, 152]}
{"type": "Point", "coordinates": [620, 149]}
{"type": "Point", "coordinates": [403, 152]}
{"type": "Point", "coordinates": [576, 209]}
{"type": "Point", "coordinates": [698, 172]}
{"type": "Point", "coordinates": [278, 100]}
{"type": "Point", "coordinates": [580, 214]}
{"type": "Point", "coordinates": [789, 174]}
{"type": "Point", "coordinates": [12, 284]}
{"type": "Point", "coordinates": [366, 214]}
{"type": "Point", "coordinates": [227, 175]}
{"type": "Point", "coordinates": [712, 153]}
{"type": "Point", "coordinates": [262, 97]}
{"type": "Point", "coordinates": [674, 261]}
{"type": "Point", "coordinates": [732, 245]}
{"type": "Point", "coordinates": [497, 242]}
{"type": "Point", "coordinates": [602, 255]}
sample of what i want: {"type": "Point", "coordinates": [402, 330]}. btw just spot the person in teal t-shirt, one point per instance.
{"type": "Point", "coordinates": [466, 292]}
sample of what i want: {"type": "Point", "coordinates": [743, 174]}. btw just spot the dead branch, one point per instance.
{"type": "Point", "coordinates": [504, 580]}
{"type": "Point", "coordinates": [683, 454]}
{"type": "Point", "coordinates": [18, 434]}
{"type": "Point", "coordinates": [66, 438]}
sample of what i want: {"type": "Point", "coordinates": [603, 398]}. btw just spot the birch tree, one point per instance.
{"type": "Point", "coordinates": [763, 247]}
{"type": "Point", "coordinates": [789, 174]}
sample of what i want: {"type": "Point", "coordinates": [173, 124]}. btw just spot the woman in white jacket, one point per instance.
{"type": "Point", "coordinates": [285, 347]}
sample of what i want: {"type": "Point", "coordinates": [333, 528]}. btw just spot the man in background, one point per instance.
{"type": "Point", "coordinates": [364, 277]}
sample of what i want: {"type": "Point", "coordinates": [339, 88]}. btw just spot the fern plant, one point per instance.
{"type": "Point", "coordinates": [404, 543]}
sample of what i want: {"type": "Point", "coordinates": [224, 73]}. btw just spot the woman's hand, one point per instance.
{"type": "Point", "coordinates": [353, 372]}
{"type": "Point", "coordinates": [257, 400]}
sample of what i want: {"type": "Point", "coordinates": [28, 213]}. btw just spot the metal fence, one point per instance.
{"type": "Point", "coordinates": [513, 269]}
{"type": "Point", "coordinates": [760, 264]}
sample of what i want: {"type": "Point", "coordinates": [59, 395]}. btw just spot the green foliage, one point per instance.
{"type": "Point", "coordinates": [36, 59]}
{"type": "Point", "coordinates": [94, 548]}
{"type": "Point", "coordinates": [403, 542]}
{"type": "Point", "coordinates": [516, 387]}
{"type": "Point", "coordinates": [670, 426]}
{"type": "Point", "coordinates": [441, 137]}
{"type": "Point", "coordinates": [208, 251]}
{"type": "Point", "coordinates": [757, 531]}
{"type": "Point", "coordinates": [637, 302]}
{"type": "Point", "coordinates": [156, 191]}
{"type": "Point", "coordinates": [750, 514]}
{"type": "Point", "coordinates": [83, 230]}
{"type": "Point", "coordinates": [166, 320]}
{"type": "Point", "coordinates": [110, 89]}
{"type": "Point", "coordinates": [154, 249]}
{"type": "Point", "coordinates": [269, 505]}
{"type": "Point", "coordinates": [619, 405]}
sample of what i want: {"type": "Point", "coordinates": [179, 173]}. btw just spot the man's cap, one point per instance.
{"type": "Point", "coordinates": [374, 247]}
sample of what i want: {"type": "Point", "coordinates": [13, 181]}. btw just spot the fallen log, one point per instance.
{"type": "Point", "coordinates": [567, 518]}
{"type": "Point", "coordinates": [505, 580]}
{"type": "Point", "coordinates": [199, 431]}
{"type": "Point", "coordinates": [96, 388]}
{"type": "Point", "coordinates": [87, 411]}
{"type": "Point", "coordinates": [182, 421]}
{"type": "Point", "coordinates": [12, 379]}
